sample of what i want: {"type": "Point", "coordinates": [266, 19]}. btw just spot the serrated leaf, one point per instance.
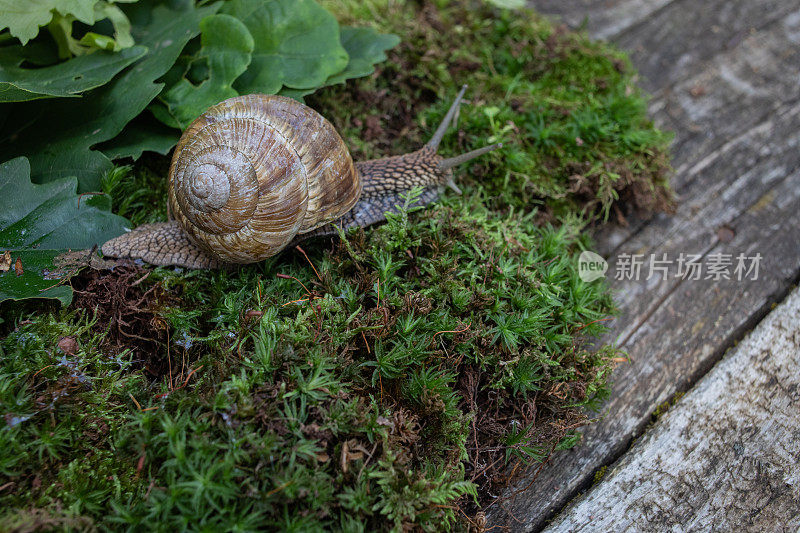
{"type": "Point", "coordinates": [69, 78]}
{"type": "Point", "coordinates": [82, 10]}
{"type": "Point", "coordinates": [296, 44]}
{"type": "Point", "coordinates": [37, 222]}
{"type": "Point", "coordinates": [226, 47]}
{"type": "Point", "coordinates": [73, 127]}
{"type": "Point", "coordinates": [61, 30]}
{"type": "Point", "coordinates": [365, 47]}
{"type": "Point", "coordinates": [23, 19]}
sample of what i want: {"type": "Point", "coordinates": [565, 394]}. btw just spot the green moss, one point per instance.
{"type": "Point", "coordinates": [599, 475]}
{"type": "Point", "coordinates": [662, 408]}
{"type": "Point", "coordinates": [577, 137]}
{"type": "Point", "coordinates": [383, 381]}
{"type": "Point", "coordinates": [348, 406]}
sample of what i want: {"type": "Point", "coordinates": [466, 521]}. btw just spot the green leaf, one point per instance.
{"type": "Point", "coordinates": [82, 10]}
{"type": "Point", "coordinates": [33, 283]}
{"type": "Point", "coordinates": [37, 222]}
{"type": "Point", "coordinates": [226, 46]}
{"type": "Point", "coordinates": [69, 78]}
{"type": "Point", "coordinates": [142, 135]}
{"type": "Point", "coordinates": [98, 42]}
{"type": "Point", "coordinates": [73, 127]}
{"type": "Point", "coordinates": [61, 30]}
{"type": "Point", "coordinates": [296, 44]}
{"type": "Point", "coordinates": [122, 26]}
{"type": "Point", "coordinates": [365, 46]}
{"type": "Point", "coordinates": [23, 18]}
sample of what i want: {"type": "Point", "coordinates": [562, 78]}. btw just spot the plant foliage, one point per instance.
{"type": "Point", "coordinates": [40, 222]}
{"type": "Point", "coordinates": [254, 46]}
{"type": "Point", "coordinates": [383, 380]}
{"type": "Point", "coordinates": [577, 139]}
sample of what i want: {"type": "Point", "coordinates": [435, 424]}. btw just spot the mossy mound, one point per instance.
{"type": "Point", "coordinates": [578, 141]}
{"type": "Point", "coordinates": [385, 380]}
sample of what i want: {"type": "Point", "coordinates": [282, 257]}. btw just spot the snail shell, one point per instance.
{"type": "Point", "coordinates": [254, 171]}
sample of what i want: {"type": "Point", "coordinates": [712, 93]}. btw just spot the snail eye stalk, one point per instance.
{"type": "Point", "coordinates": [448, 120]}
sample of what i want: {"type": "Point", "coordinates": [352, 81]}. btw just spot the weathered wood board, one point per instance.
{"type": "Point", "coordinates": [604, 19]}
{"type": "Point", "coordinates": [735, 91]}
{"type": "Point", "coordinates": [726, 457]}
{"type": "Point", "coordinates": [674, 42]}
{"type": "Point", "coordinates": [736, 114]}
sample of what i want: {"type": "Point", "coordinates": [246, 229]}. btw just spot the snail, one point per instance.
{"type": "Point", "coordinates": [256, 173]}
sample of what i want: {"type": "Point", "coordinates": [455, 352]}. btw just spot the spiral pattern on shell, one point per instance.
{"type": "Point", "coordinates": [254, 171]}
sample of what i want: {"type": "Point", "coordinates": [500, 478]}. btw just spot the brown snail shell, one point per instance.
{"type": "Point", "coordinates": [254, 171]}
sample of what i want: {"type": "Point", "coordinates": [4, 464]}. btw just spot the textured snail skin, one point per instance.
{"type": "Point", "coordinates": [384, 180]}
{"type": "Point", "coordinates": [162, 243]}
{"type": "Point", "coordinates": [255, 174]}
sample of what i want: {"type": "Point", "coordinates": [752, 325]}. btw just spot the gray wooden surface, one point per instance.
{"type": "Point", "coordinates": [725, 76]}
{"type": "Point", "coordinates": [726, 457]}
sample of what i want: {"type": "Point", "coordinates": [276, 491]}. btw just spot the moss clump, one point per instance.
{"type": "Point", "coordinates": [576, 133]}
{"type": "Point", "coordinates": [375, 394]}
{"type": "Point", "coordinates": [387, 379]}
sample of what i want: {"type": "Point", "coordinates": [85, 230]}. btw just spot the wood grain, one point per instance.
{"type": "Point", "coordinates": [675, 330]}
{"type": "Point", "coordinates": [603, 19]}
{"type": "Point", "coordinates": [727, 454]}
{"type": "Point", "coordinates": [736, 91]}
{"type": "Point", "coordinates": [737, 146]}
{"type": "Point", "coordinates": [675, 42]}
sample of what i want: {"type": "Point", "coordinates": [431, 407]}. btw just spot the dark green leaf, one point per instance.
{"type": "Point", "coordinates": [226, 46]}
{"type": "Point", "coordinates": [144, 134]}
{"type": "Point", "coordinates": [63, 79]}
{"type": "Point", "coordinates": [37, 222]}
{"type": "Point", "coordinates": [296, 44]}
{"type": "Point", "coordinates": [74, 126]}
{"type": "Point", "coordinates": [365, 46]}
{"type": "Point", "coordinates": [36, 266]}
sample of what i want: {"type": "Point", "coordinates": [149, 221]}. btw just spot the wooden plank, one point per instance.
{"type": "Point", "coordinates": [726, 456]}
{"type": "Point", "coordinates": [739, 176]}
{"type": "Point", "coordinates": [673, 342]}
{"type": "Point", "coordinates": [750, 183]}
{"type": "Point", "coordinates": [736, 91]}
{"type": "Point", "coordinates": [731, 93]}
{"type": "Point", "coordinates": [686, 33]}
{"type": "Point", "coordinates": [604, 19]}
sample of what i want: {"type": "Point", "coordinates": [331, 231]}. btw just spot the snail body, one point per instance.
{"type": "Point", "coordinates": [255, 173]}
